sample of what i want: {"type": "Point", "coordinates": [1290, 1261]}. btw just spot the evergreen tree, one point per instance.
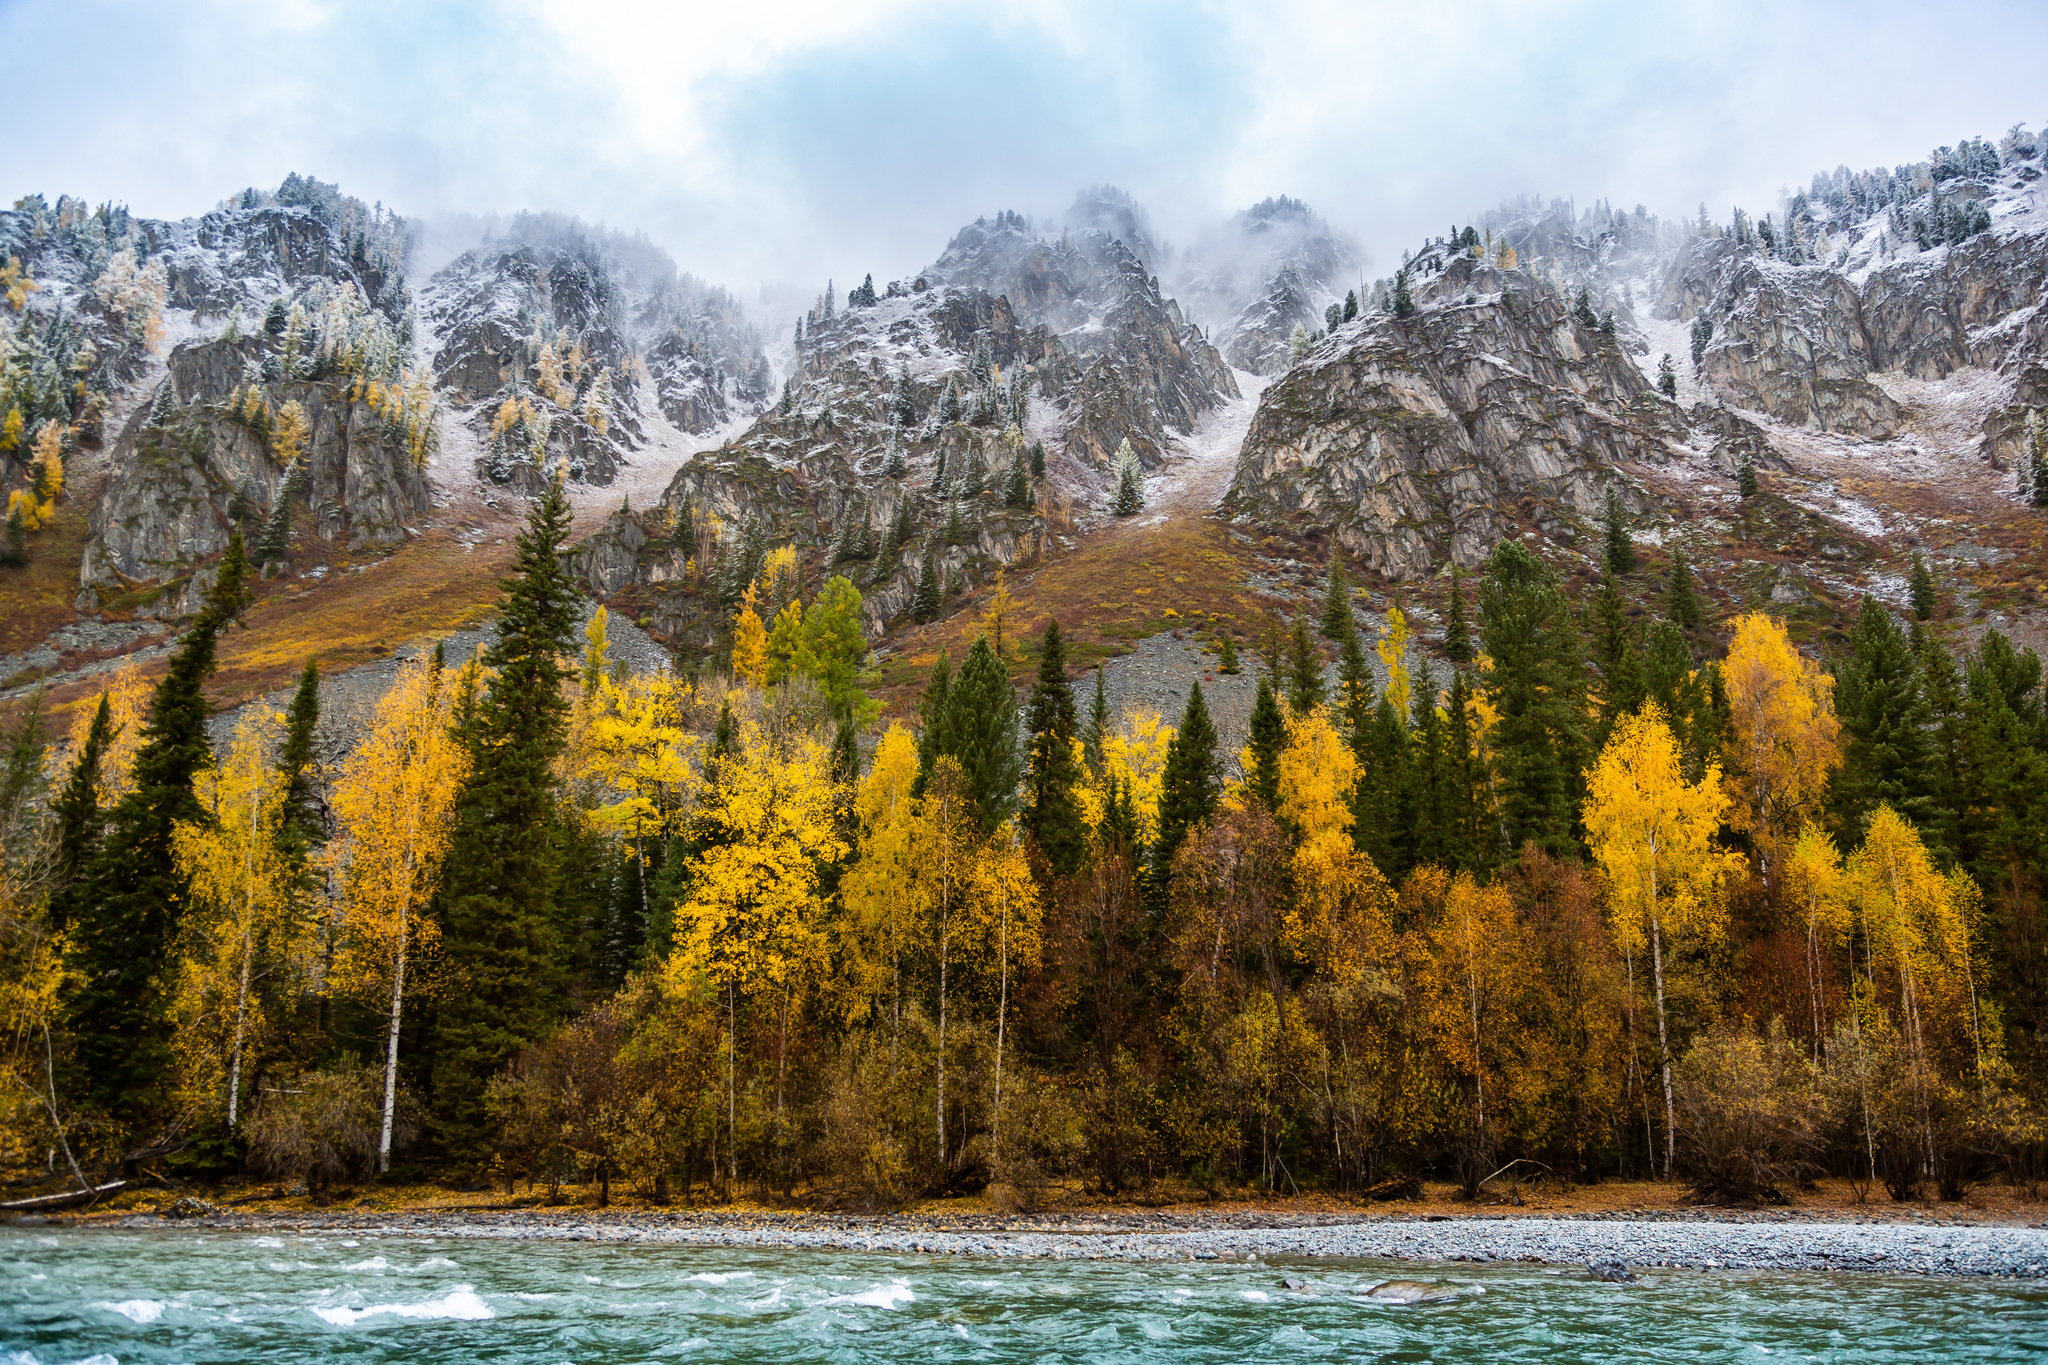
{"type": "Point", "coordinates": [1607, 324]}
{"type": "Point", "coordinates": [1702, 333]}
{"type": "Point", "coordinates": [1190, 784]}
{"type": "Point", "coordinates": [1052, 812]}
{"type": "Point", "coordinates": [274, 319]}
{"type": "Point", "coordinates": [925, 604]}
{"type": "Point", "coordinates": [1337, 622]}
{"type": "Point", "coordinates": [2040, 489]}
{"type": "Point", "coordinates": [1226, 656]}
{"type": "Point", "coordinates": [1667, 377]}
{"type": "Point", "coordinates": [1355, 692]}
{"type": "Point", "coordinates": [1305, 670]}
{"type": "Point", "coordinates": [1470, 832]}
{"type": "Point", "coordinates": [16, 554]}
{"type": "Point", "coordinates": [1457, 632]}
{"type": "Point", "coordinates": [1098, 724]}
{"type": "Point", "coordinates": [1525, 628]}
{"type": "Point", "coordinates": [79, 818]}
{"type": "Point", "coordinates": [1583, 311]}
{"type": "Point", "coordinates": [1130, 482]}
{"type": "Point", "coordinates": [896, 466]}
{"type": "Point", "coordinates": [1884, 718]}
{"type": "Point", "coordinates": [1266, 740]}
{"type": "Point", "coordinates": [1404, 301]}
{"type": "Point", "coordinates": [1620, 551]}
{"type": "Point", "coordinates": [299, 822]}
{"type": "Point", "coordinates": [956, 525]}
{"type": "Point", "coordinates": [1038, 459]}
{"type": "Point", "coordinates": [1745, 478]}
{"type": "Point", "coordinates": [846, 750]}
{"type": "Point", "coordinates": [1924, 597]}
{"type": "Point", "coordinates": [1017, 492]}
{"type": "Point", "coordinates": [1681, 601]}
{"type": "Point", "coordinates": [499, 935]}
{"type": "Point", "coordinates": [978, 729]}
{"type": "Point", "coordinates": [1612, 624]}
{"type": "Point", "coordinates": [125, 910]}
{"type": "Point", "coordinates": [931, 717]}
{"type": "Point", "coordinates": [1350, 305]}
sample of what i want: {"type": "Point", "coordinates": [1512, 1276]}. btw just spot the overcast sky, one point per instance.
{"type": "Point", "coordinates": [783, 140]}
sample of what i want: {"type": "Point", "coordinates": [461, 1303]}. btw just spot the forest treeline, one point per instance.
{"type": "Point", "coordinates": [1587, 895]}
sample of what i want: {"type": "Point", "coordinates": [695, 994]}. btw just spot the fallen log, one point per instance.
{"type": "Point", "coordinates": [66, 1200]}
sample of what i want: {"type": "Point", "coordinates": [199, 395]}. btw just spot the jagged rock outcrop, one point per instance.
{"type": "Point", "coordinates": [172, 486]}
{"type": "Point", "coordinates": [1267, 270]}
{"type": "Point", "coordinates": [1429, 438]}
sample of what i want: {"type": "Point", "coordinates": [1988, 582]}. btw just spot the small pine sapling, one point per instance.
{"type": "Point", "coordinates": [1226, 659]}
{"type": "Point", "coordinates": [1745, 478]}
{"type": "Point", "coordinates": [1667, 377]}
{"type": "Point", "coordinates": [1038, 459]}
{"type": "Point", "coordinates": [1404, 301]}
{"type": "Point", "coordinates": [1681, 600]}
{"type": "Point", "coordinates": [1925, 598]}
{"type": "Point", "coordinates": [1620, 551]}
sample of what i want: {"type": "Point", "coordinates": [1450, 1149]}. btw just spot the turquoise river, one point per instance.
{"type": "Point", "coordinates": [71, 1295]}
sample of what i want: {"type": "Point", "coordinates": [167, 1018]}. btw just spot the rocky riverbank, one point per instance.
{"type": "Point", "coordinates": [1690, 1241]}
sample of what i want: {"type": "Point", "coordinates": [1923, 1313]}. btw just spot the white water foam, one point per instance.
{"type": "Point", "coordinates": [719, 1277]}
{"type": "Point", "coordinates": [891, 1296]}
{"type": "Point", "coordinates": [374, 1263]}
{"type": "Point", "coordinates": [459, 1304]}
{"type": "Point", "coordinates": [271, 1242]}
{"type": "Point", "coordinates": [141, 1311]}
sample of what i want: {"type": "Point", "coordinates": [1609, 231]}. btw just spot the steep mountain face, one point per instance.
{"type": "Point", "coordinates": [551, 338]}
{"type": "Point", "coordinates": [1497, 407]}
{"type": "Point", "coordinates": [908, 425]}
{"type": "Point", "coordinates": [1272, 268]}
{"type": "Point", "coordinates": [1424, 439]}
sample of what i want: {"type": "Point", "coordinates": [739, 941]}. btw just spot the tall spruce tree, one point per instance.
{"type": "Point", "coordinates": [1681, 600]}
{"type": "Point", "coordinates": [299, 824]}
{"type": "Point", "coordinates": [1885, 719]}
{"type": "Point", "coordinates": [1355, 690]}
{"type": "Point", "coordinates": [978, 729]}
{"type": "Point", "coordinates": [1457, 629]}
{"type": "Point", "coordinates": [926, 604]}
{"type": "Point", "coordinates": [1190, 784]}
{"type": "Point", "coordinates": [1924, 596]}
{"type": "Point", "coordinates": [1268, 736]}
{"type": "Point", "coordinates": [1619, 553]}
{"type": "Point", "coordinates": [80, 822]}
{"type": "Point", "coordinates": [1337, 621]}
{"type": "Point", "coordinates": [1526, 629]}
{"type": "Point", "coordinates": [1052, 811]}
{"type": "Point", "coordinates": [1098, 724]}
{"type": "Point", "coordinates": [125, 911]}
{"type": "Point", "coordinates": [1304, 670]}
{"type": "Point", "coordinates": [499, 933]}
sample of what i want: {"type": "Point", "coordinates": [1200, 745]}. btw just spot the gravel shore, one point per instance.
{"type": "Point", "coordinates": [1688, 1242]}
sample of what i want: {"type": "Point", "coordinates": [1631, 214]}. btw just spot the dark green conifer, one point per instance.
{"type": "Point", "coordinates": [1268, 736]}
{"type": "Point", "coordinates": [1052, 812]}
{"type": "Point", "coordinates": [977, 727]}
{"type": "Point", "coordinates": [1526, 629]}
{"type": "Point", "coordinates": [1337, 620]}
{"type": "Point", "coordinates": [1098, 724]}
{"type": "Point", "coordinates": [1355, 690]}
{"type": "Point", "coordinates": [1457, 631]}
{"type": "Point", "coordinates": [1619, 552]}
{"type": "Point", "coordinates": [1681, 602]}
{"type": "Point", "coordinates": [1305, 670]}
{"type": "Point", "coordinates": [1924, 596]}
{"type": "Point", "coordinates": [1884, 718]}
{"type": "Point", "coordinates": [299, 821]}
{"type": "Point", "coordinates": [1038, 459]}
{"type": "Point", "coordinates": [1404, 301]}
{"type": "Point", "coordinates": [1189, 785]}
{"type": "Point", "coordinates": [498, 931]}
{"type": "Point", "coordinates": [1745, 477]}
{"type": "Point", "coordinates": [926, 604]}
{"type": "Point", "coordinates": [125, 910]}
{"type": "Point", "coordinates": [1226, 655]}
{"type": "Point", "coordinates": [79, 818]}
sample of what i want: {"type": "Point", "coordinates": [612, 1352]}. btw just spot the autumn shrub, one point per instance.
{"type": "Point", "coordinates": [861, 1157]}
{"type": "Point", "coordinates": [1750, 1116]}
{"type": "Point", "coordinates": [324, 1126]}
{"type": "Point", "coordinates": [1043, 1138]}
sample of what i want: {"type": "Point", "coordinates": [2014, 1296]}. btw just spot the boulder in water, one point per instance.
{"type": "Point", "coordinates": [1410, 1291]}
{"type": "Point", "coordinates": [1614, 1272]}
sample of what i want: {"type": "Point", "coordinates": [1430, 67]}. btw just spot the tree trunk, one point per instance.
{"type": "Point", "coordinates": [391, 1047]}
{"type": "Point", "coordinates": [1664, 1047]}
{"type": "Point", "coordinates": [732, 1105]}
{"type": "Point", "coordinates": [241, 1027]}
{"type": "Point", "coordinates": [995, 1136]}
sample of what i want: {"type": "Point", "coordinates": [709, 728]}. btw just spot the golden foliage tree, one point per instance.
{"type": "Point", "coordinates": [1653, 834]}
{"type": "Point", "coordinates": [749, 642]}
{"type": "Point", "coordinates": [1784, 739]}
{"type": "Point", "coordinates": [394, 808]}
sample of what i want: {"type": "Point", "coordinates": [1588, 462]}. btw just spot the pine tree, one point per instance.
{"type": "Point", "coordinates": [1457, 632]}
{"type": "Point", "coordinates": [977, 727]}
{"type": "Point", "coordinates": [1702, 333]}
{"type": "Point", "coordinates": [1350, 305]}
{"type": "Point", "coordinates": [1355, 691]}
{"type": "Point", "coordinates": [956, 525]}
{"type": "Point", "coordinates": [1924, 598]}
{"type": "Point", "coordinates": [274, 319]}
{"type": "Point", "coordinates": [1612, 624]}
{"type": "Point", "coordinates": [1583, 310]}
{"type": "Point", "coordinates": [1404, 301]}
{"type": "Point", "coordinates": [1052, 812]}
{"type": "Point", "coordinates": [1884, 716]}
{"type": "Point", "coordinates": [1337, 622]}
{"type": "Point", "coordinates": [925, 604]}
{"type": "Point", "coordinates": [499, 937]}
{"type": "Point", "coordinates": [1038, 459]}
{"type": "Point", "coordinates": [1017, 491]}
{"type": "Point", "coordinates": [896, 466]}
{"type": "Point", "coordinates": [16, 555]}
{"type": "Point", "coordinates": [1681, 602]}
{"type": "Point", "coordinates": [299, 817]}
{"type": "Point", "coordinates": [1526, 630]}
{"type": "Point", "coordinates": [80, 821]}
{"type": "Point", "coordinates": [1098, 724]}
{"type": "Point", "coordinates": [124, 911]}
{"type": "Point", "coordinates": [1268, 736]}
{"type": "Point", "coordinates": [1226, 657]}
{"type": "Point", "coordinates": [1620, 551]}
{"type": "Point", "coordinates": [1130, 483]}
{"type": "Point", "coordinates": [939, 470]}
{"type": "Point", "coordinates": [1305, 670]}
{"type": "Point", "coordinates": [1667, 377]}
{"type": "Point", "coordinates": [1745, 477]}
{"type": "Point", "coordinates": [1190, 784]}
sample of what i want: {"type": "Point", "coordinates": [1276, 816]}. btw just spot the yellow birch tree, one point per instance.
{"type": "Point", "coordinates": [1653, 835]}
{"type": "Point", "coordinates": [1783, 734]}
{"type": "Point", "coordinates": [394, 807]}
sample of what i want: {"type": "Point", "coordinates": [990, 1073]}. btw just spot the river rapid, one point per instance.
{"type": "Point", "coordinates": [104, 1296]}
